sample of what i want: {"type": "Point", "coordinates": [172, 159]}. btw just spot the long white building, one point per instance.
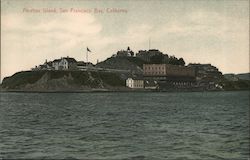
{"type": "Point", "coordinates": [135, 83]}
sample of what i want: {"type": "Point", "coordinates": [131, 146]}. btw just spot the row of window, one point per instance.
{"type": "Point", "coordinates": [138, 85]}
{"type": "Point", "coordinates": [155, 73]}
{"type": "Point", "coordinates": [181, 83]}
{"type": "Point", "coordinates": [130, 82]}
{"type": "Point", "coordinates": [135, 86]}
{"type": "Point", "coordinates": [154, 68]}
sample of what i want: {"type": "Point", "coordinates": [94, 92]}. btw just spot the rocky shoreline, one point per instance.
{"type": "Point", "coordinates": [62, 81]}
{"type": "Point", "coordinates": [85, 81]}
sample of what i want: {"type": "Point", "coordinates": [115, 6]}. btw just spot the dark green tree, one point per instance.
{"type": "Point", "coordinates": [157, 59]}
{"type": "Point", "coordinates": [173, 60]}
{"type": "Point", "coordinates": [181, 62]}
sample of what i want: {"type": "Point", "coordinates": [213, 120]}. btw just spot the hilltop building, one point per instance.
{"type": "Point", "coordinates": [162, 70]}
{"type": "Point", "coordinates": [55, 64]}
{"type": "Point", "coordinates": [146, 55]}
{"type": "Point", "coordinates": [48, 65]}
{"type": "Point", "coordinates": [125, 53]}
{"type": "Point", "coordinates": [45, 66]}
{"type": "Point", "coordinates": [169, 76]}
{"type": "Point", "coordinates": [65, 63]}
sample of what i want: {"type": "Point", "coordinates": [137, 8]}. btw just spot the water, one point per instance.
{"type": "Point", "coordinates": [199, 125]}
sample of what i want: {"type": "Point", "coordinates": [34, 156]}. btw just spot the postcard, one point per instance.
{"type": "Point", "coordinates": [123, 79]}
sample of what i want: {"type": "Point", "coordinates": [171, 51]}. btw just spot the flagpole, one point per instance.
{"type": "Point", "coordinates": [87, 56]}
{"type": "Point", "coordinates": [87, 59]}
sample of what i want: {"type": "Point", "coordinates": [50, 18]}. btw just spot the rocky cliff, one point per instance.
{"type": "Point", "coordinates": [62, 81]}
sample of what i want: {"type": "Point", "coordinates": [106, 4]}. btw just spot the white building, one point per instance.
{"type": "Point", "coordinates": [134, 83]}
{"type": "Point", "coordinates": [55, 64]}
{"type": "Point", "coordinates": [64, 63]}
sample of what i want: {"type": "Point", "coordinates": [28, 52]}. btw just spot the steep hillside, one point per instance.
{"type": "Point", "coordinates": [235, 85]}
{"type": "Point", "coordinates": [62, 80]}
{"type": "Point", "coordinates": [244, 76]}
{"type": "Point", "coordinates": [236, 77]}
{"type": "Point", "coordinates": [123, 63]}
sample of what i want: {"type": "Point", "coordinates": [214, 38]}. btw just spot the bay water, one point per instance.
{"type": "Point", "coordinates": [125, 125]}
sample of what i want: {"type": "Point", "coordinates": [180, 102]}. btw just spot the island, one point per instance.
{"type": "Point", "coordinates": [147, 70]}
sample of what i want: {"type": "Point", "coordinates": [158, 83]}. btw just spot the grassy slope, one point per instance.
{"type": "Point", "coordinates": [79, 78]}
{"type": "Point", "coordinates": [137, 61]}
{"type": "Point", "coordinates": [22, 78]}
{"type": "Point", "coordinates": [121, 63]}
{"type": "Point", "coordinates": [235, 85]}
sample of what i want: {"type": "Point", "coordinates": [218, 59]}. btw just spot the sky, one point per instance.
{"type": "Point", "coordinates": [200, 31]}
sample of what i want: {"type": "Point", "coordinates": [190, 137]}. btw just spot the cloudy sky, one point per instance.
{"type": "Point", "coordinates": [204, 31]}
